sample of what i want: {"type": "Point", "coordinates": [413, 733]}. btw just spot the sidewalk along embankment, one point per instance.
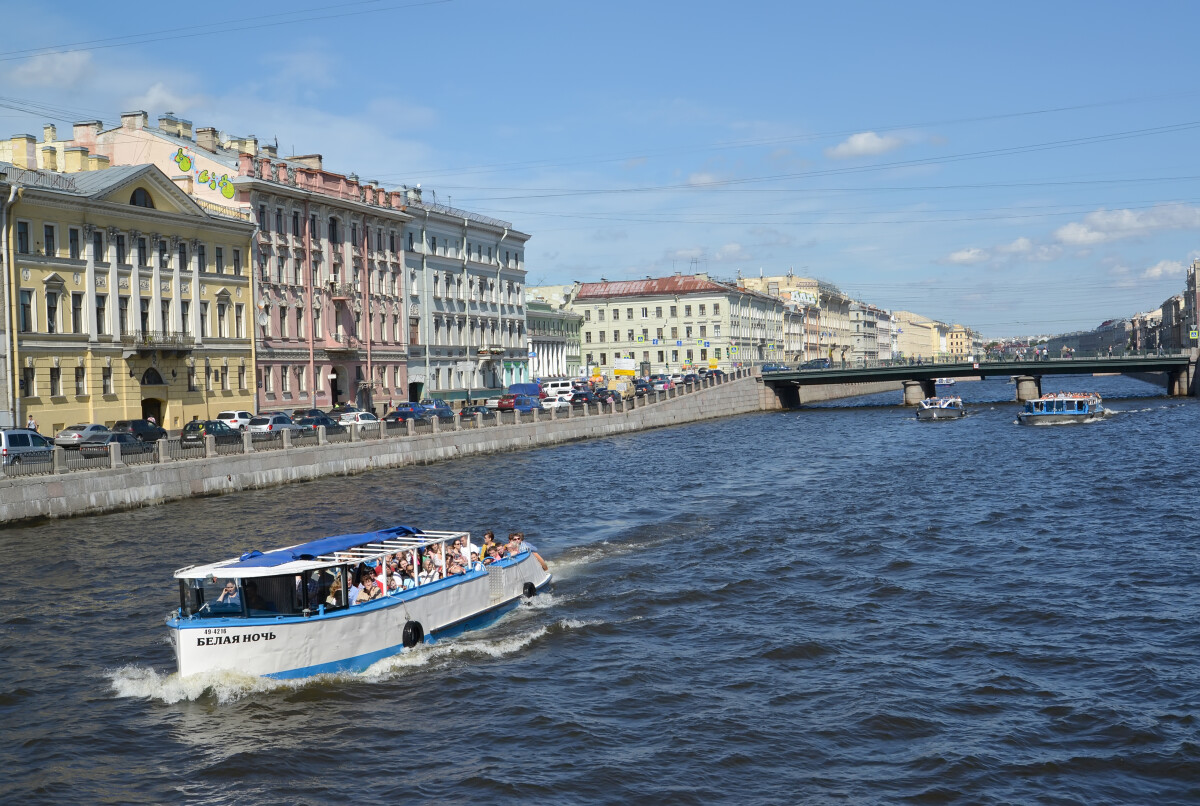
{"type": "Point", "coordinates": [131, 486]}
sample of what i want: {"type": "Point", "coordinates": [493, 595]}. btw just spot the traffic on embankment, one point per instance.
{"type": "Point", "coordinates": [168, 471]}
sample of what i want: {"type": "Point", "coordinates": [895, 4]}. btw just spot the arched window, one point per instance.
{"type": "Point", "coordinates": [151, 378]}
{"type": "Point", "coordinates": [141, 198]}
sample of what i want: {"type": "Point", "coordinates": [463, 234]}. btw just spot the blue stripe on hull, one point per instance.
{"type": "Point", "coordinates": [360, 663]}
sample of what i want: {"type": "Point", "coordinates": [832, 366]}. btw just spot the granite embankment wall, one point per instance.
{"type": "Point", "coordinates": [130, 486]}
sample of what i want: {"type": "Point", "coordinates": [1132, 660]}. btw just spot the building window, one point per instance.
{"type": "Point", "coordinates": [333, 232]}
{"type": "Point", "coordinates": [123, 315]}
{"type": "Point", "coordinates": [203, 319]}
{"type": "Point", "coordinates": [279, 220]}
{"type": "Point", "coordinates": [392, 242]}
{"type": "Point", "coordinates": [145, 314]}
{"type": "Point", "coordinates": [55, 382]}
{"type": "Point", "coordinates": [616, 335]}
{"type": "Point", "coordinates": [600, 315]}
{"type": "Point", "coordinates": [142, 253]}
{"type": "Point", "coordinates": [296, 223]}
{"type": "Point", "coordinates": [222, 330]}
{"type": "Point", "coordinates": [601, 335]}
{"type": "Point", "coordinates": [603, 359]}
{"type": "Point", "coordinates": [51, 311]}
{"type": "Point", "coordinates": [616, 315]}
{"type": "Point", "coordinates": [241, 377]}
{"type": "Point", "coordinates": [629, 335]}
{"type": "Point", "coordinates": [236, 265]}
{"type": "Point", "coordinates": [185, 313]}
{"type": "Point", "coordinates": [702, 310]}
{"type": "Point", "coordinates": [716, 331]}
{"type": "Point", "coordinates": [312, 227]}
{"type": "Point", "coordinates": [673, 310]}
{"type": "Point", "coordinates": [353, 234]}
{"type": "Point", "coordinates": [122, 256]}
{"type": "Point", "coordinates": [433, 245]}
{"type": "Point", "coordinates": [106, 380]}
{"type": "Point", "coordinates": [98, 246]}
{"type": "Point", "coordinates": [716, 308]}
{"type": "Point", "coordinates": [701, 331]}
{"type": "Point", "coordinates": [28, 381]}
{"type": "Point", "coordinates": [658, 312]}
{"type": "Point", "coordinates": [300, 323]}
{"type": "Point", "coordinates": [660, 356]}
{"type": "Point", "coordinates": [285, 381]}
{"type": "Point", "coordinates": [262, 218]}
{"type": "Point", "coordinates": [77, 313]}
{"type": "Point", "coordinates": [182, 256]}
{"type": "Point", "coordinates": [80, 381]}
{"type": "Point", "coordinates": [48, 241]}
{"type": "Point", "coordinates": [102, 314]}
{"type": "Point", "coordinates": [587, 337]}
{"type": "Point", "coordinates": [73, 242]}
{"type": "Point", "coordinates": [239, 330]}
{"type": "Point", "coordinates": [687, 310]}
{"type": "Point", "coordinates": [26, 312]}
{"type": "Point", "coordinates": [191, 379]}
{"type": "Point", "coordinates": [283, 322]}
{"type": "Point", "coordinates": [219, 254]}
{"type": "Point", "coordinates": [628, 313]}
{"type": "Point", "coordinates": [202, 257]}
{"type": "Point", "coordinates": [675, 333]}
{"type": "Point", "coordinates": [410, 242]}
{"type": "Point", "coordinates": [162, 254]}
{"type": "Point", "coordinates": [23, 237]}
{"type": "Point", "coordinates": [317, 332]}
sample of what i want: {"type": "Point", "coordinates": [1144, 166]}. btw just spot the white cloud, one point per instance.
{"type": "Point", "coordinates": [1109, 225]}
{"type": "Point", "coordinates": [731, 251]}
{"type": "Point", "coordinates": [62, 70]}
{"type": "Point", "coordinates": [702, 179]}
{"type": "Point", "coordinates": [1019, 246]}
{"type": "Point", "coordinates": [863, 144]}
{"type": "Point", "coordinates": [967, 257]}
{"type": "Point", "coordinates": [1164, 268]}
{"type": "Point", "coordinates": [159, 97]}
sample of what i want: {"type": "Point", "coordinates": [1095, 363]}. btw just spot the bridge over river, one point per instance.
{"type": "Point", "coordinates": [1178, 372]}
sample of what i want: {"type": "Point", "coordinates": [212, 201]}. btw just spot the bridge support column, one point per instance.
{"type": "Point", "coordinates": [916, 391]}
{"type": "Point", "coordinates": [1177, 383]}
{"type": "Point", "coordinates": [1029, 387]}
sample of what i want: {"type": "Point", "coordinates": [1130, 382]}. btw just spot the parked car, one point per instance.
{"type": "Point", "coordinates": [691, 379]}
{"type": "Point", "coordinates": [506, 402]}
{"type": "Point", "coordinates": [640, 387]}
{"type": "Point", "coordinates": [71, 437]}
{"type": "Point", "coordinates": [237, 420]}
{"type": "Point", "coordinates": [530, 389]}
{"type": "Point", "coordinates": [98, 444]}
{"type": "Point", "coordinates": [337, 411]}
{"type": "Point", "coordinates": [142, 430]}
{"type": "Point", "coordinates": [19, 445]}
{"type": "Point", "coordinates": [193, 433]}
{"type": "Point", "coordinates": [469, 412]}
{"type": "Point", "coordinates": [607, 395]}
{"type": "Point", "coordinates": [579, 398]}
{"type": "Point", "coordinates": [298, 414]}
{"type": "Point", "coordinates": [272, 427]}
{"type": "Point", "coordinates": [407, 411]}
{"type": "Point", "coordinates": [312, 423]}
{"type": "Point", "coordinates": [493, 402]}
{"type": "Point", "coordinates": [562, 401]}
{"type": "Point", "coordinates": [817, 363]}
{"type": "Point", "coordinates": [527, 403]}
{"type": "Point", "coordinates": [357, 418]}
{"type": "Point", "coordinates": [439, 408]}
{"type": "Point", "coordinates": [717, 374]}
{"type": "Point", "coordinates": [776, 368]}
{"type": "Point", "coordinates": [663, 383]}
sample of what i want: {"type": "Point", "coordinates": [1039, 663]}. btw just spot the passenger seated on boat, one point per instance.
{"type": "Point", "coordinates": [489, 540]}
{"type": "Point", "coordinates": [254, 601]}
{"type": "Point", "coordinates": [476, 564]}
{"type": "Point", "coordinates": [334, 599]}
{"type": "Point", "coordinates": [368, 589]}
{"type": "Point", "coordinates": [429, 571]}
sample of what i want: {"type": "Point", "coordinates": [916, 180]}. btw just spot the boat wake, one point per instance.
{"type": "Point", "coordinates": [143, 682]}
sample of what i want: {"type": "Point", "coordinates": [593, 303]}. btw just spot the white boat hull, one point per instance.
{"type": "Point", "coordinates": [940, 414]}
{"type": "Point", "coordinates": [351, 639]}
{"type": "Point", "coordinates": [1059, 418]}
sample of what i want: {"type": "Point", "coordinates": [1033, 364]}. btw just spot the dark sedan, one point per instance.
{"type": "Point", "coordinates": [98, 445]}
{"type": "Point", "coordinates": [314, 422]}
{"type": "Point", "coordinates": [470, 412]}
{"type": "Point", "coordinates": [193, 433]}
{"type": "Point", "coordinates": [407, 411]}
{"type": "Point", "coordinates": [691, 379]}
{"type": "Point", "coordinates": [142, 430]}
{"type": "Point", "coordinates": [579, 398]}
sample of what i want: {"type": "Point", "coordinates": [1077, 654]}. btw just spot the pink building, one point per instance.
{"type": "Point", "coordinates": [332, 324]}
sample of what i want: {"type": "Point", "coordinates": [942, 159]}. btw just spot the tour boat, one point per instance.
{"type": "Point", "coordinates": [1062, 408]}
{"type": "Point", "coordinates": [284, 613]}
{"type": "Point", "coordinates": [943, 381]}
{"type": "Point", "coordinates": [940, 408]}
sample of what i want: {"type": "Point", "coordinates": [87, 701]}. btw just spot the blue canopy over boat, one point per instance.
{"type": "Point", "coordinates": [316, 548]}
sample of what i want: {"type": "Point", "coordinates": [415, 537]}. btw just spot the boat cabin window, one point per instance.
{"type": "Point", "coordinates": [210, 597]}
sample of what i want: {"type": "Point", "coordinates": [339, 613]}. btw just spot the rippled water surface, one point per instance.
{"type": "Point", "coordinates": [832, 605]}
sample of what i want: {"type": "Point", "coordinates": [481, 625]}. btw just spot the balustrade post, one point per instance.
{"type": "Point", "coordinates": [114, 455]}
{"type": "Point", "coordinates": [478, 420]}
{"type": "Point", "coordinates": [354, 435]}
{"type": "Point", "coordinates": [210, 445]}
{"type": "Point", "coordinates": [163, 456]}
{"type": "Point", "coordinates": [287, 438]}
{"type": "Point", "coordinates": [247, 442]}
{"type": "Point", "coordinates": [535, 414]}
{"type": "Point", "coordinates": [437, 424]}
{"type": "Point", "coordinates": [60, 459]}
{"type": "Point", "coordinates": [322, 437]}
{"type": "Point", "coordinates": [410, 427]}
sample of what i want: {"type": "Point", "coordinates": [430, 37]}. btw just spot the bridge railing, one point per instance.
{"type": "Point", "coordinates": [999, 358]}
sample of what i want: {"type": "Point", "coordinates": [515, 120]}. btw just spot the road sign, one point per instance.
{"type": "Point", "coordinates": [679, 342]}
{"type": "Point", "coordinates": [625, 366]}
{"type": "Point", "coordinates": [1194, 334]}
{"type": "Point", "coordinates": [705, 344]}
{"type": "Point", "coordinates": [654, 341]}
{"type": "Point", "coordinates": [640, 339]}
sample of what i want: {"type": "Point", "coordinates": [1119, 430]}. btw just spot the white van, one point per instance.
{"type": "Point", "coordinates": [557, 386]}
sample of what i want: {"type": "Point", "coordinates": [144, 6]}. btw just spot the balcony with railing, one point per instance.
{"type": "Point", "coordinates": [158, 340]}
{"type": "Point", "coordinates": [341, 292]}
{"type": "Point", "coordinates": [342, 344]}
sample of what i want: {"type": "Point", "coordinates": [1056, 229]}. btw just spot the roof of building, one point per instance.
{"type": "Point", "coordinates": [661, 286]}
{"type": "Point", "coordinates": [93, 183]}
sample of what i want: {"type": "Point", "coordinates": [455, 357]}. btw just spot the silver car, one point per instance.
{"type": "Point", "coordinates": [271, 426]}
{"type": "Point", "coordinates": [72, 437]}
{"type": "Point", "coordinates": [19, 445]}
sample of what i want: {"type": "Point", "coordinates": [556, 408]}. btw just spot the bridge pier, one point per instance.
{"type": "Point", "coordinates": [1179, 382]}
{"type": "Point", "coordinates": [1029, 387]}
{"type": "Point", "coordinates": [916, 391]}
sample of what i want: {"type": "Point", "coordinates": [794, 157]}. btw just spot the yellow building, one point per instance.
{"type": "Point", "coordinates": [124, 298]}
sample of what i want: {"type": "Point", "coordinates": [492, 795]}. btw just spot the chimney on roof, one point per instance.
{"type": "Point", "coordinates": [49, 133]}
{"type": "Point", "coordinates": [24, 151]}
{"type": "Point", "coordinates": [308, 160]}
{"type": "Point", "coordinates": [206, 138]}
{"type": "Point", "coordinates": [185, 128]}
{"type": "Point", "coordinates": [97, 162]}
{"type": "Point", "coordinates": [86, 130]}
{"type": "Point", "coordinates": [271, 151]}
{"type": "Point", "coordinates": [134, 120]}
{"type": "Point", "coordinates": [183, 182]}
{"type": "Point", "coordinates": [50, 158]}
{"type": "Point", "coordinates": [75, 159]}
{"type": "Point", "coordinates": [168, 123]}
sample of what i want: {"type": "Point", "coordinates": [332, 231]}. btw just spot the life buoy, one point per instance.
{"type": "Point", "coordinates": [530, 590]}
{"type": "Point", "coordinates": [413, 634]}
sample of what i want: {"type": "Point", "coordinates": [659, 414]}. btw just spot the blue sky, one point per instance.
{"type": "Point", "coordinates": [1020, 168]}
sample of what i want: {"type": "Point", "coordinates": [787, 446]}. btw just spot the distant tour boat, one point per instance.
{"type": "Point", "coordinates": [1062, 408]}
{"type": "Point", "coordinates": [943, 381]}
{"type": "Point", "coordinates": [940, 408]}
{"type": "Point", "coordinates": [337, 604]}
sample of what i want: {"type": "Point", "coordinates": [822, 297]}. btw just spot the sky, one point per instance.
{"type": "Point", "coordinates": [1020, 168]}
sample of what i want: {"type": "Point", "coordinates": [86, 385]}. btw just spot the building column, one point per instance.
{"type": "Point", "coordinates": [156, 322]}
{"type": "Point", "coordinates": [93, 325]}
{"type": "Point", "coordinates": [195, 312]}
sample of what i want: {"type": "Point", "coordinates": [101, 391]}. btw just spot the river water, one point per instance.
{"type": "Point", "coordinates": [831, 605]}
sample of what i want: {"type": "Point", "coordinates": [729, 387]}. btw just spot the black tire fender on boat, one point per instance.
{"type": "Point", "coordinates": [530, 590]}
{"type": "Point", "coordinates": [413, 634]}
